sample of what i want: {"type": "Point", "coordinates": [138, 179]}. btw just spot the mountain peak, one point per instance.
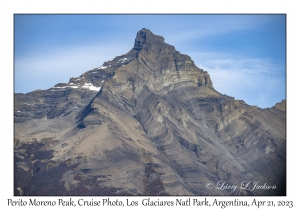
{"type": "Point", "coordinates": [151, 121]}
{"type": "Point", "coordinates": [145, 36]}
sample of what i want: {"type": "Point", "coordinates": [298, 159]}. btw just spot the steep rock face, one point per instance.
{"type": "Point", "coordinates": [149, 122]}
{"type": "Point", "coordinates": [281, 105]}
{"type": "Point", "coordinates": [160, 66]}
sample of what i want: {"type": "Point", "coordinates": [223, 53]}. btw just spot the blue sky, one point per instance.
{"type": "Point", "coordinates": [245, 55]}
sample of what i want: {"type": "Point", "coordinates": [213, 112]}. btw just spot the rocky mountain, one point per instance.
{"type": "Point", "coordinates": [148, 122]}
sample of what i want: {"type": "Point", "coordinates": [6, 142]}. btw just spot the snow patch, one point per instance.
{"type": "Point", "coordinates": [123, 60]}
{"type": "Point", "coordinates": [86, 85]}
{"type": "Point", "coordinates": [102, 67]}
{"type": "Point", "coordinates": [91, 87]}
{"type": "Point", "coordinates": [65, 87]}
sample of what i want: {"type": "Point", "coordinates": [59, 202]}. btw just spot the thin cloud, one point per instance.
{"type": "Point", "coordinates": [209, 27]}
{"type": "Point", "coordinates": [257, 81]}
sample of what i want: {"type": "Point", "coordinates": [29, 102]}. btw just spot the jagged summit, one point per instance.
{"type": "Point", "coordinates": [162, 66]}
{"type": "Point", "coordinates": [146, 37]}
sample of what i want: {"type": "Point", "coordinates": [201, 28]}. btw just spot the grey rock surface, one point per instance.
{"type": "Point", "coordinates": [149, 122]}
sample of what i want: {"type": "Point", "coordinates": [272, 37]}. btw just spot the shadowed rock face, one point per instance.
{"type": "Point", "coordinates": [149, 122]}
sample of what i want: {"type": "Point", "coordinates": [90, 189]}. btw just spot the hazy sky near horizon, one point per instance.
{"type": "Point", "coordinates": [245, 55]}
